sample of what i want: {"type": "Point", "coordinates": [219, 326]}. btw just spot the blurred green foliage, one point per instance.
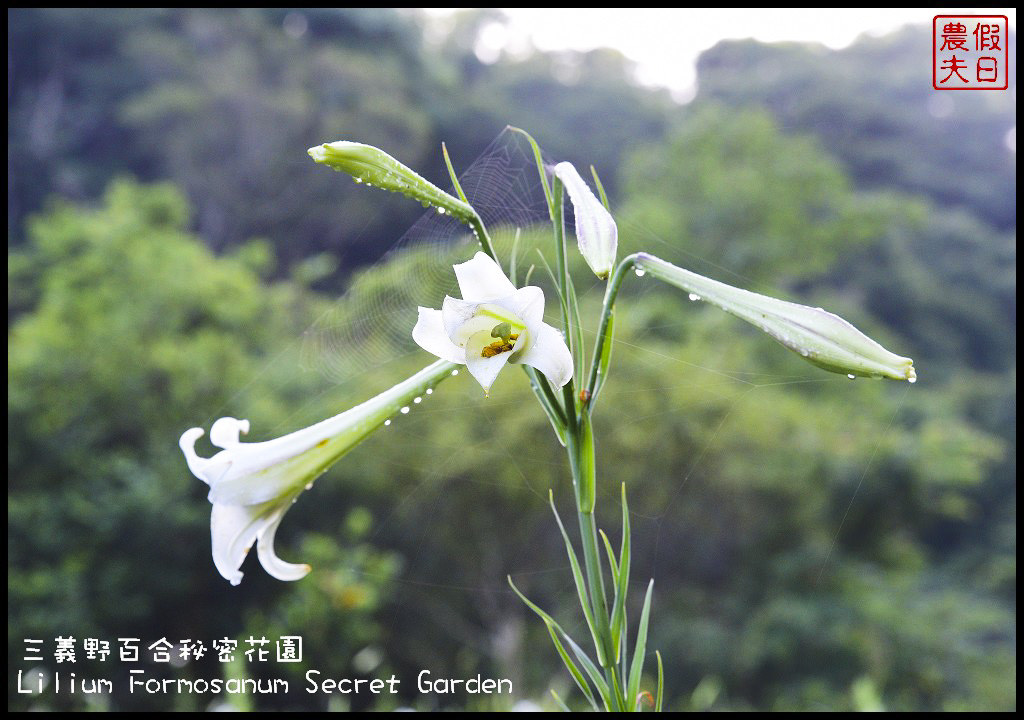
{"type": "Point", "coordinates": [816, 543]}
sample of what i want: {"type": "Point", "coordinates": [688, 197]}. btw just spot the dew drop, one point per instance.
{"type": "Point", "coordinates": [455, 372]}
{"type": "Point", "coordinates": [430, 391]}
{"type": "Point", "coordinates": [440, 211]}
{"type": "Point", "coordinates": [640, 272]}
{"type": "Point", "coordinates": [309, 486]}
{"type": "Point", "coordinates": [695, 297]}
{"type": "Point", "coordinates": [358, 180]}
{"type": "Point", "coordinates": [912, 379]}
{"type": "Point", "coordinates": [405, 410]}
{"type": "Point", "coordinates": [417, 401]}
{"type": "Point", "coordinates": [851, 376]}
{"type": "Point", "coordinates": [387, 422]}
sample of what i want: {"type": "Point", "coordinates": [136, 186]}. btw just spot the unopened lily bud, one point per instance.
{"type": "Point", "coordinates": [818, 336]}
{"type": "Point", "coordinates": [375, 168]}
{"type": "Point", "coordinates": [596, 232]}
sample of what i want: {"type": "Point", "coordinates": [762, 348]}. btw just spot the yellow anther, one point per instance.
{"type": "Point", "coordinates": [513, 336]}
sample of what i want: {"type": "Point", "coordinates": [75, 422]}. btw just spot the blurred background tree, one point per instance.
{"type": "Point", "coordinates": [816, 543]}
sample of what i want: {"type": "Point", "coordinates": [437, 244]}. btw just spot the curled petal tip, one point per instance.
{"type": "Point", "coordinates": [187, 443]}
{"type": "Point", "coordinates": [224, 433]}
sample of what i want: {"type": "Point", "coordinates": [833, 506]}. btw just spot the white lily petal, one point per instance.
{"type": "Point", "coordinates": [596, 232]}
{"type": "Point", "coordinates": [484, 369]}
{"type": "Point", "coordinates": [430, 335]}
{"type": "Point", "coordinates": [455, 314]}
{"type": "Point", "coordinates": [482, 280]}
{"type": "Point", "coordinates": [233, 530]}
{"type": "Point", "coordinates": [274, 565]}
{"type": "Point", "coordinates": [198, 465]}
{"type": "Point", "coordinates": [526, 303]}
{"type": "Point", "coordinates": [548, 353]}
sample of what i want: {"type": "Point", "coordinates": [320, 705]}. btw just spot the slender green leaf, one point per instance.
{"type": "Point", "coordinates": [637, 668]}
{"type": "Point", "coordinates": [540, 168]}
{"type": "Point", "coordinates": [622, 581]}
{"type": "Point", "coordinates": [548, 401]}
{"type": "Point", "coordinates": [581, 587]}
{"type": "Point", "coordinates": [611, 560]}
{"type": "Point", "coordinates": [513, 260]}
{"type": "Point", "coordinates": [593, 671]}
{"type": "Point", "coordinates": [552, 626]}
{"type": "Point", "coordinates": [454, 177]}
{"type": "Point", "coordinates": [576, 328]}
{"type": "Point", "coordinates": [561, 705]}
{"type": "Point", "coordinates": [600, 189]}
{"type": "Point", "coordinates": [551, 274]}
{"type": "Point", "coordinates": [661, 683]}
{"type": "Point", "coordinates": [577, 676]}
{"type": "Point", "coordinates": [605, 358]}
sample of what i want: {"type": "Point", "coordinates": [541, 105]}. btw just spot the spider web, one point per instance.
{"type": "Point", "coordinates": [369, 327]}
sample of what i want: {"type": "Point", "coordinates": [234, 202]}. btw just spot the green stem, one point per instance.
{"type": "Point", "coordinates": [611, 292]}
{"type": "Point", "coordinates": [477, 225]}
{"type": "Point", "coordinates": [583, 472]}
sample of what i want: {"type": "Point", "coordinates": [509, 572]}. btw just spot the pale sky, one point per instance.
{"type": "Point", "coordinates": [665, 43]}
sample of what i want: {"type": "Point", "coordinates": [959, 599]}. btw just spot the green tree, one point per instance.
{"type": "Point", "coordinates": [132, 331]}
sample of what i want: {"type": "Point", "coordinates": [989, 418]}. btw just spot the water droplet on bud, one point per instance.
{"type": "Point", "coordinates": [387, 422]}
{"type": "Point", "coordinates": [430, 391]}
{"type": "Point", "coordinates": [405, 410]}
{"type": "Point", "coordinates": [640, 272]}
{"type": "Point", "coordinates": [695, 297]}
{"type": "Point", "coordinates": [851, 376]}
{"type": "Point", "coordinates": [417, 401]}
{"type": "Point", "coordinates": [455, 372]}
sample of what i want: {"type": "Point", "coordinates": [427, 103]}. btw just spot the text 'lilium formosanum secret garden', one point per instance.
{"type": "Point", "coordinates": [492, 325]}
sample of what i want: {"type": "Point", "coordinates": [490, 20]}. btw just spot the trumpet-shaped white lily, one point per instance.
{"type": "Point", "coordinates": [596, 231]}
{"type": "Point", "coordinates": [252, 485]}
{"type": "Point", "coordinates": [492, 325]}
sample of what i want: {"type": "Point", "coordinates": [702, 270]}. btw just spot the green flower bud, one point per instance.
{"type": "Point", "coordinates": [375, 168]}
{"type": "Point", "coordinates": [820, 337]}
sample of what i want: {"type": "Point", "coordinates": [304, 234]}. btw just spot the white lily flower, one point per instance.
{"type": "Point", "coordinates": [252, 485]}
{"type": "Point", "coordinates": [494, 324]}
{"type": "Point", "coordinates": [596, 231]}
